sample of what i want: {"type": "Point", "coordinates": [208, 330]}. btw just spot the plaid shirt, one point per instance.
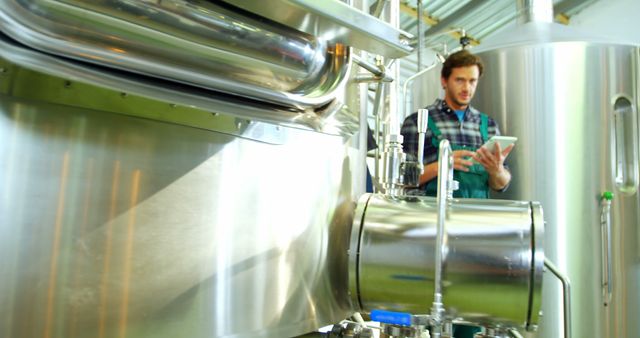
{"type": "Point", "coordinates": [466, 133]}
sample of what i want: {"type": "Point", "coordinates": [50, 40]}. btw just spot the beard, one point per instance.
{"type": "Point", "coordinates": [460, 102]}
{"type": "Point", "coordinates": [456, 99]}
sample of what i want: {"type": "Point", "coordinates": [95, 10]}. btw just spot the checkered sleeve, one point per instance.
{"type": "Point", "coordinates": [409, 133]}
{"type": "Point", "coordinates": [492, 128]}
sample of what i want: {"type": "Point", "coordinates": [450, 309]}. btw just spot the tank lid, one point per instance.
{"type": "Point", "coordinates": [544, 32]}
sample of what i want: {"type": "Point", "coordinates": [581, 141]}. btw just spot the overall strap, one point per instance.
{"type": "Point", "coordinates": [432, 126]}
{"type": "Point", "coordinates": [435, 130]}
{"type": "Point", "coordinates": [484, 127]}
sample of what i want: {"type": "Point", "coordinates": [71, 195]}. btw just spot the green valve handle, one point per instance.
{"type": "Point", "coordinates": [607, 195]}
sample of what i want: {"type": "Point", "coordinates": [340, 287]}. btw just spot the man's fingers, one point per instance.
{"type": "Point", "coordinates": [478, 157]}
{"type": "Point", "coordinates": [497, 150]}
{"type": "Point", "coordinates": [460, 167]}
{"type": "Point", "coordinates": [507, 150]}
{"type": "Point", "coordinates": [484, 153]}
{"type": "Point", "coordinates": [464, 162]}
{"type": "Point", "coordinates": [463, 153]}
{"type": "Point", "coordinates": [461, 164]}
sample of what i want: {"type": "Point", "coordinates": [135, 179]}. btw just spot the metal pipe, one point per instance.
{"type": "Point", "coordinates": [605, 227]}
{"type": "Point", "coordinates": [445, 173]}
{"type": "Point", "coordinates": [372, 68]}
{"type": "Point", "coordinates": [204, 45]}
{"type": "Point", "coordinates": [368, 78]}
{"type": "Point", "coordinates": [394, 70]}
{"type": "Point", "coordinates": [535, 11]}
{"type": "Point", "coordinates": [419, 34]}
{"type": "Point", "coordinates": [423, 116]}
{"type": "Point", "coordinates": [409, 80]}
{"type": "Point", "coordinates": [182, 95]}
{"type": "Point", "coordinates": [514, 333]}
{"type": "Point", "coordinates": [566, 293]}
{"type": "Point", "coordinates": [376, 113]}
{"type": "Point", "coordinates": [445, 193]}
{"type": "Point", "coordinates": [392, 158]}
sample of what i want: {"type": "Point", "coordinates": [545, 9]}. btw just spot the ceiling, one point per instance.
{"type": "Point", "coordinates": [479, 18]}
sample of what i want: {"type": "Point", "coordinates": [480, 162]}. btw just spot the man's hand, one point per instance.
{"type": "Point", "coordinates": [462, 159]}
{"type": "Point", "coordinates": [493, 163]}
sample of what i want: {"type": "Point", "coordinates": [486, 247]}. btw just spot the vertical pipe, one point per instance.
{"type": "Point", "coordinates": [445, 193]}
{"type": "Point", "coordinates": [393, 89]}
{"type": "Point", "coordinates": [566, 295]}
{"type": "Point", "coordinates": [535, 11]}
{"type": "Point", "coordinates": [377, 102]}
{"type": "Point", "coordinates": [420, 35]}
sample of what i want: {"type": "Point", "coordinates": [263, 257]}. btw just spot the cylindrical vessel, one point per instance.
{"type": "Point", "coordinates": [493, 262]}
{"type": "Point", "coordinates": [202, 44]}
{"type": "Point", "coordinates": [572, 102]}
{"type": "Point", "coordinates": [117, 226]}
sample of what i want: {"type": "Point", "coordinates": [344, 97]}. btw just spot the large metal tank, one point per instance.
{"type": "Point", "coordinates": [116, 226]}
{"type": "Point", "coordinates": [571, 99]}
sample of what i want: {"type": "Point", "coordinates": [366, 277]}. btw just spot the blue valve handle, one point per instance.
{"type": "Point", "coordinates": [390, 317]}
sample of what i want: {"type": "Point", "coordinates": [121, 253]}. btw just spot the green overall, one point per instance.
{"type": "Point", "coordinates": [475, 182]}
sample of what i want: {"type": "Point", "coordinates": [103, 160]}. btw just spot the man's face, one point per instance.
{"type": "Point", "coordinates": [460, 86]}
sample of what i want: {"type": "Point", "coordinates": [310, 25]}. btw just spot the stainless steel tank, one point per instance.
{"type": "Point", "coordinates": [493, 261]}
{"type": "Point", "coordinates": [116, 226]}
{"type": "Point", "coordinates": [571, 99]}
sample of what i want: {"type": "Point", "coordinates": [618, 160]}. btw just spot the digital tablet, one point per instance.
{"type": "Point", "coordinates": [504, 142]}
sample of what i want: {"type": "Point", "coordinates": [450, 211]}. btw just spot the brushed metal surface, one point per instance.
{"type": "Point", "coordinates": [199, 43]}
{"type": "Point", "coordinates": [113, 226]}
{"type": "Point", "coordinates": [558, 98]}
{"type": "Point", "coordinates": [489, 264]}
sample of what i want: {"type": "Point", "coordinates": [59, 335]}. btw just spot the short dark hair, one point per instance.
{"type": "Point", "coordinates": [462, 58]}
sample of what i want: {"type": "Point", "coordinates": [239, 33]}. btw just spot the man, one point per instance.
{"type": "Point", "coordinates": [466, 129]}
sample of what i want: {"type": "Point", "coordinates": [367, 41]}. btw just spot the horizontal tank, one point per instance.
{"type": "Point", "coordinates": [493, 258]}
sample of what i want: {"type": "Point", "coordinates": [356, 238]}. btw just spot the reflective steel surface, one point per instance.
{"type": "Point", "coordinates": [335, 21]}
{"type": "Point", "coordinates": [198, 43]}
{"type": "Point", "coordinates": [492, 269]}
{"type": "Point", "coordinates": [573, 107]}
{"type": "Point", "coordinates": [80, 84]}
{"type": "Point", "coordinates": [115, 226]}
